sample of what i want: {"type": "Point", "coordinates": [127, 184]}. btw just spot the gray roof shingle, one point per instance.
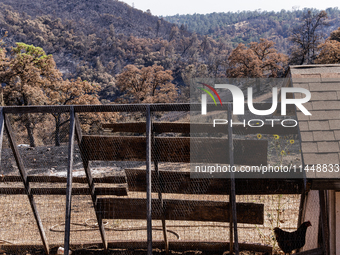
{"type": "Point", "coordinates": [320, 132]}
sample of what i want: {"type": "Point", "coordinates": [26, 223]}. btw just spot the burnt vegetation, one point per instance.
{"type": "Point", "coordinates": [99, 52]}
{"type": "Point", "coordinates": [97, 40]}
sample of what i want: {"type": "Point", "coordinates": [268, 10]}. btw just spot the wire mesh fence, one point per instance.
{"type": "Point", "coordinates": [111, 144]}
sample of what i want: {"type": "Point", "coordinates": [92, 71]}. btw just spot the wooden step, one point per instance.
{"type": "Point", "coordinates": [174, 149]}
{"type": "Point", "coordinates": [116, 191]}
{"type": "Point", "coordinates": [176, 245]}
{"type": "Point", "coordinates": [57, 179]}
{"type": "Point", "coordinates": [181, 182]}
{"type": "Point", "coordinates": [187, 128]}
{"type": "Point", "coordinates": [185, 210]}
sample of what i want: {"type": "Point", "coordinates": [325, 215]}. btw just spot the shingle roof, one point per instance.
{"type": "Point", "coordinates": [320, 132]}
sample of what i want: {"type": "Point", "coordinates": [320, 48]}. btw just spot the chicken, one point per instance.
{"type": "Point", "coordinates": [289, 241]}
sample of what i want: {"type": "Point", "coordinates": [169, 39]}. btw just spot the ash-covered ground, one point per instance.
{"type": "Point", "coordinates": [53, 160]}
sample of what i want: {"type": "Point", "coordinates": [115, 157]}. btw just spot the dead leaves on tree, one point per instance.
{"type": "Point", "coordinates": [150, 84]}
{"type": "Point", "coordinates": [259, 60]}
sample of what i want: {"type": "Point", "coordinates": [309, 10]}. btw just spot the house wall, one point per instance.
{"type": "Point", "coordinates": [337, 223]}
{"type": "Point", "coordinates": [332, 223]}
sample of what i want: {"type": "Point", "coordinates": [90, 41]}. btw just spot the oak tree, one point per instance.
{"type": "Point", "coordinates": [150, 84]}
{"type": "Point", "coordinates": [329, 52]}
{"type": "Point", "coordinates": [28, 75]}
{"type": "Point", "coordinates": [258, 61]}
{"type": "Point", "coordinates": [330, 49]}
{"type": "Point", "coordinates": [71, 92]}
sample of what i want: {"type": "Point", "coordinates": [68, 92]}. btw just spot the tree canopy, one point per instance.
{"type": "Point", "coordinates": [259, 60]}
{"type": "Point", "coordinates": [146, 85]}
{"type": "Point", "coordinates": [330, 49]}
{"type": "Point", "coordinates": [30, 77]}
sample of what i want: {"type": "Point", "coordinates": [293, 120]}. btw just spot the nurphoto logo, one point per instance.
{"type": "Point", "coordinates": [238, 99]}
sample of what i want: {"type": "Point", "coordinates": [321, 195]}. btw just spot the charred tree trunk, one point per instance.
{"type": "Point", "coordinates": [258, 85]}
{"type": "Point", "coordinates": [29, 129]}
{"type": "Point", "coordinates": [57, 130]}
{"type": "Point", "coordinates": [59, 122]}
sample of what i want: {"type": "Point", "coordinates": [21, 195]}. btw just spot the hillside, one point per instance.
{"type": "Point", "coordinates": [96, 40]}
{"type": "Point", "coordinates": [93, 40]}
{"type": "Point", "coordinates": [249, 26]}
{"type": "Point", "coordinates": [91, 16]}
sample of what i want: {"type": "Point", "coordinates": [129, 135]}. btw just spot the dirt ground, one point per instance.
{"type": "Point", "coordinates": [18, 227]}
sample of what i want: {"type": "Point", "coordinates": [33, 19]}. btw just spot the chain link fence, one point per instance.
{"type": "Point", "coordinates": [110, 141]}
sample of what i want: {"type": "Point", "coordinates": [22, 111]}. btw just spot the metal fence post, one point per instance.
{"type": "Point", "coordinates": [23, 174]}
{"type": "Point", "coordinates": [232, 198]}
{"type": "Point", "coordinates": [69, 184]}
{"type": "Point", "coordinates": [148, 180]}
